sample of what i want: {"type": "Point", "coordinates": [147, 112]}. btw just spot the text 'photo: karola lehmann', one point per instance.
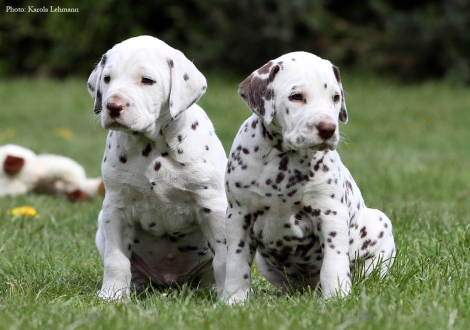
{"type": "Point", "coordinates": [43, 9]}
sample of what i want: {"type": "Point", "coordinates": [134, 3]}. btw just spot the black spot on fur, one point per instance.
{"type": "Point", "coordinates": [291, 193]}
{"type": "Point", "coordinates": [147, 150]}
{"type": "Point", "coordinates": [123, 159]}
{"type": "Point", "coordinates": [98, 101]}
{"type": "Point", "coordinates": [157, 166]}
{"type": "Point", "coordinates": [283, 164]}
{"type": "Point", "coordinates": [279, 177]}
{"type": "Point", "coordinates": [104, 58]}
{"type": "Point", "coordinates": [278, 145]}
{"type": "Point", "coordinates": [363, 232]}
{"type": "Point", "coordinates": [90, 87]}
{"type": "Point", "coordinates": [247, 222]}
{"type": "Point", "coordinates": [185, 77]}
{"type": "Point", "coordinates": [336, 72]}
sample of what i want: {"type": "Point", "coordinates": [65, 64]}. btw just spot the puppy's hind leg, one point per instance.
{"type": "Point", "coordinates": [377, 246]}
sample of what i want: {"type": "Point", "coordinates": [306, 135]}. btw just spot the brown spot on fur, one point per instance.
{"type": "Point", "coordinates": [336, 72]}
{"type": "Point", "coordinates": [76, 195]}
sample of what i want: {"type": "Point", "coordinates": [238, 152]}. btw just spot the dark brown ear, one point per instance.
{"type": "Point", "coordinates": [343, 113]}
{"type": "Point", "coordinates": [13, 165]}
{"type": "Point", "coordinates": [258, 93]}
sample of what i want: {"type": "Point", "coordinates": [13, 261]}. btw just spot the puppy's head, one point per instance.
{"type": "Point", "coordinates": [19, 168]}
{"type": "Point", "coordinates": [303, 95]}
{"type": "Point", "coordinates": [141, 80]}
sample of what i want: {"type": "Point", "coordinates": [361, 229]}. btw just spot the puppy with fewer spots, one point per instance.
{"type": "Point", "coordinates": [163, 217]}
{"type": "Point", "coordinates": [22, 171]}
{"type": "Point", "coordinates": [291, 200]}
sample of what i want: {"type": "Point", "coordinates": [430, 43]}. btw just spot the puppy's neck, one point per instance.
{"type": "Point", "coordinates": [278, 147]}
{"type": "Point", "coordinates": [172, 127]}
{"type": "Point", "coordinates": [164, 126]}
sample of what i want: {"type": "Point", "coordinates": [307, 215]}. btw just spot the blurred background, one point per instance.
{"type": "Point", "coordinates": [411, 40]}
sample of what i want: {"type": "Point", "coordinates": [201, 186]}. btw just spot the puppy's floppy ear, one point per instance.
{"type": "Point", "coordinates": [93, 84]}
{"type": "Point", "coordinates": [13, 164]}
{"type": "Point", "coordinates": [258, 91]}
{"type": "Point", "coordinates": [187, 83]}
{"type": "Point", "coordinates": [343, 113]}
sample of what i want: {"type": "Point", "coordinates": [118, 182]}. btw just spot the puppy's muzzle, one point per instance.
{"type": "Point", "coordinates": [114, 109]}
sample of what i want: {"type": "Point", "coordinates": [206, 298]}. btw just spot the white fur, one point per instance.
{"type": "Point", "coordinates": [290, 197]}
{"type": "Point", "coordinates": [163, 214]}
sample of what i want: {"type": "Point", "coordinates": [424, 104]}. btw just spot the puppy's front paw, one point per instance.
{"type": "Point", "coordinates": [113, 295]}
{"type": "Point", "coordinates": [237, 298]}
{"type": "Point", "coordinates": [337, 290]}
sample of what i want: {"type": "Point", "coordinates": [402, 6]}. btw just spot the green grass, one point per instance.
{"type": "Point", "coordinates": [406, 146]}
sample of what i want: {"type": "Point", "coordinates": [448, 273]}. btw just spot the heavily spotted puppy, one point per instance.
{"type": "Point", "coordinates": [163, 217]}
{"type": "Point", "coordinates": [291, 199]}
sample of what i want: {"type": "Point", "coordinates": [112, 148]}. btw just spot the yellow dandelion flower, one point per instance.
{"type": "Point", "coordinates": [7, 134]}
{"type": "Point", "coordinates": [64, 133]}
{"type": "Point", "coordinates": [24, 211]}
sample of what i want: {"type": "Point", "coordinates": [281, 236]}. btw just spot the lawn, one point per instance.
{"type": "Point", "coordinates": [406, 146]}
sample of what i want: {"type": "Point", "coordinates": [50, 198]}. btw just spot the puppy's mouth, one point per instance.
{"type": "Point", "coordinates": [303, 143]}
{"type": "Point", "coordinates": [323, 147]}
{"type": "Point", "coordinates": [114, 125]}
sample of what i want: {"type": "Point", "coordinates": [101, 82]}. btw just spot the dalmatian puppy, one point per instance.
{"type": "Point", "coordinates": [163, 216]}
{"type": "Point", "coordinates": [291, 200]}
{"type": "Point", "coordinates": [23, 171]}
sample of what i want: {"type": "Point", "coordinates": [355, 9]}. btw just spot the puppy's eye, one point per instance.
{"type": "Point", "coordinates": [148, 81]}
{"type": "Point", "coordinates": [107, 79]}
{"type": "Point", "coordinates": [296, 97]}
{"type": "Point", "coordinates": [336, 98]}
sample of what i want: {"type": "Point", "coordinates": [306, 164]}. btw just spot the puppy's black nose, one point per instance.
{"type": "Point", "coordinates": [326, 130]}
{"type": "Point", "coordinates": [114, 109]}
